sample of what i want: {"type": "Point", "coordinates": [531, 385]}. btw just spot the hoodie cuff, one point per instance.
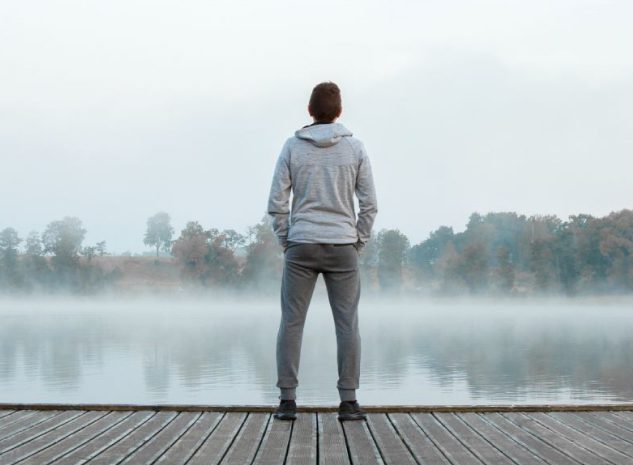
{"type": "Point", "coordinates": [283, 241]}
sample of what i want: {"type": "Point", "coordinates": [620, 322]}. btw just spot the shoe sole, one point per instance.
{"type": "Point", "coordinates": [352, 416]}
{"type": "Point", "coordinates": [285, 416]}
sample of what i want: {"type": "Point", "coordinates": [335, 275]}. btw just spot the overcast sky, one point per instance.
{"type": "Point", "coordinates": [114, 110]}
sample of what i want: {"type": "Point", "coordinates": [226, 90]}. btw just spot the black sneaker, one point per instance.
{"type": "Point", "coordinates": [287, 410]}
{"type": "Point", "coordinates": [350, 410]}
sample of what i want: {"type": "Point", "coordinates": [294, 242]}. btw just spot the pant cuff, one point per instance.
{"type": "Point", "coordinates": [347, 394]}
{"type": "Point", "coordinates": [288, 394]}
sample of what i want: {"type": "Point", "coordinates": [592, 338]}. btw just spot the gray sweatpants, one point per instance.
{"type": "Point", "coordinates": [302, 264]}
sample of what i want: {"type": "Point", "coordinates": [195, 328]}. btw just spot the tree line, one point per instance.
{"type": "Point", "coordinates": [506, 253]}
{"type": "Point", "coordinates": [52, 260]}
{"type": "Point", "coordinates": [497, 253]}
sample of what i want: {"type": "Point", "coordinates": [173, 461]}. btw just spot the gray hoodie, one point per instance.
{"type": "Point", "coordinates": [324, 166]}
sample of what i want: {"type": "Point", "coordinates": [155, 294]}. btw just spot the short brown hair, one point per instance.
{"type": "Point", "coordinates": [325, 102]}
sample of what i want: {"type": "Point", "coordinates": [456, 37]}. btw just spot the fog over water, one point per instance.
{"type": "Point", "coordinates": [499, 134]}
{"type": "Point", "coordinates": [221, 351]}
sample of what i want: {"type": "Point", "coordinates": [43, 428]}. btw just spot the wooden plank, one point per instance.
{"type": "Point", "coordinates": [533, 443]}
{"type": "Point", "coordinates": [616, 420]}
{"type": "Point", "coordinates": [188, 444]}
{"type": "Point", "coordinates": [216, 445]}
{"type": "Point", "coordinates": [515, 450]}
{"type": "Point", "coordinates": [17, 415]}
{"type": "Point", "coordinates": [450, 446]}
{"type": "Point", "coordinates": [391, 447]}
{"type": "Point", "coordinates": [22, 421]}
{"type": "Point", "coordinates": [303, 442]}
{"type": "Point", "coordinates": [275, 443]}
{"type": "Point", "coordinates": [362, 448]}
{"type": "Point", "coordinates": [601, 422]}
{"type": "Point", "coordinates": [106, 439]}
{"type": "Point", "coordinates": [624, 418]}
{"type": "Point", "coordinates": [625, 414]}
{"type": "Point", "coordinates": [118, 451]}
{"type": "Point", "coordinates": [38, 430]}
{"type": "Point", "coordinates": [332, 448]}
{"type": "Point", "coordinates": [423, 449]}
{"type": "Point", "coordinates": [76, 439]}
{"type": "Point", "coordinates": [599, 434]}
{"type": "Point", "coordinates": [14, 416]}
{"type": "Point", "coordinates": [554, 438]}
{"type": "Point", "coordinates": [51, 437]}
{"type": "Point", "coordinates": [6, 413]}
{"type": "Point", "coordinates": [247, 442]}
{"type": "Point", "coordinates": [582, 440]}
{"type": "Point", "coordinates": [471, 439]}
{"type": "Point", "coordinates": [151, 450]}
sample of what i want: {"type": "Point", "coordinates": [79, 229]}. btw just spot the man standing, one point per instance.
{"type": "Point", "coordinates": [323, 166]}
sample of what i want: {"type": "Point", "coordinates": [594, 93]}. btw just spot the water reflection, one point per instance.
{"type": "Point", "coordinates": [222, 352]}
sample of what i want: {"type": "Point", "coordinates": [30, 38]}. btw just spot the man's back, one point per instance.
{"type": "Point", "coordinates": [324, 166]}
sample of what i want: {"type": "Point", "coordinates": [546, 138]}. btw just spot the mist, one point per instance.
{"type": "Point", "coordinates": [137, 147]}
{"type": "Point", "coordinates": [221, 351]}
{"type": "Point", "coordinates": [111, 114]}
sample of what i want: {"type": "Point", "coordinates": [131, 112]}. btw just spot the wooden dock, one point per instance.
{"type": "Point", "coordinates": [194, 435]}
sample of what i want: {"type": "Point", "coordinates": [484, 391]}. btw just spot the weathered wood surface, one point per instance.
{"type": "Point", "coordinates": [73, 436]}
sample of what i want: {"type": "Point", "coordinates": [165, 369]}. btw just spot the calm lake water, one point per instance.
{"type": "Point", "coordinates": [215, 351]}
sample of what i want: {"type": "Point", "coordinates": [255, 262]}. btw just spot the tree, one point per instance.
{"type": "Point", "coordinates": [505, 270]}
{"type": "Point", "coordinates": [445, 267]}
{"type": "Point", "coordinates": [101, 248]}
{"type": "Point", "coordinates": [191, 250]}
{"type": "Point", "coordinates": [393, 248]}
{"type": "Point", "coordinates": [94, 250]}
{"type": "Point", "coordinates": [34, 244]}
{"type": "Point", "coordinates": [472, 266]}
{"type": "Point", "coordinates": [89, 252]}
{"type": "Point", "coordinates": [566, 257]}
{"type": "Point", "coordinates": [263, 266]}
{"type": "Point", "coordinates": [542, 257]}
{"type": "Point", "coordinates": [504, 231]}
{"type": "Point", "coordinates": [63, 239]}
{"type": "Point", "coordinates": [223, 268]}
{"type": "Point", "coordinates": [231, 239]}
{"type": "Point", "coordinates": [592, 265]}
{"type": "Point", "coordinates": [35, 266]}
{"type": "Point", "coordinates": [424, 256]}
{"type": "Point", "coordinates": [159, 232]}
{"type": "Point", "coordinates": [204, 256]}
{"type": "Point", "coordinates": [9, 242]}
{"type": "Point", "coordinates": [368, 261]}
{"type": "Point", "coordinates": [616, 245]}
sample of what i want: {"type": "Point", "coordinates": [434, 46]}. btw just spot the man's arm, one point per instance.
{"type": "Point", "coordinates": [367, 204]}
{"type": "Point", "coordinates": [278, 200]}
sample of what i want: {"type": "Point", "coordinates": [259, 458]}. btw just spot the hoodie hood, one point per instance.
{"type": "Point", "coordinates": [323, 135]}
